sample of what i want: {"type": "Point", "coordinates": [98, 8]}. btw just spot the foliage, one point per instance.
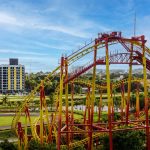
{"type": "Point", "coordinates": [117, 116]}
{"type": "Point", "coordinates": [134, 140]}
{"type": "Point", "coordinates": [35, 145]}
{"type": "Point", "coordinates": [78, 89]}
{"type": "Point", "coordinates": [51, 100]}
{"type": "Point", "coordinates": [133, 101]}
{"type": "Point", "coordinates": [81, 147]}
{"type": "Point", "coordinates": [117, 102]}
{"type": "Point", "coordinates": [5, 100]}
{"type": "Point", "coordinates": [7, 145]}
{"type": "Point", "coordinates": [7, 134]}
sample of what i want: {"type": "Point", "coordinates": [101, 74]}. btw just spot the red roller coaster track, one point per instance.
{"type": "Point", "coordinates": [136, 54]}
{"type": "Point", "coordinates": [118, 58]}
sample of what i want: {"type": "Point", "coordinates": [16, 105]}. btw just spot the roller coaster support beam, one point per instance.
{"type": "Point", "coordinates": [137, 100]}
{"type": "Point", "coordinates": [129, 84]}
{"type": "Point", "coordinates": [112, 104]}
{"type": "Point", "coordinates": [89, 105]}
{"type": "Point", "coordinates": [122, 100]}
{"type": "Point", "coordinates": [27, 116]}
{"type": "Point", "coordinates": [41, 111]}
{"type": "Point", "coordinates": [87, 108]}
{"type": "Point", "coordinates": [20, 136]}
{"type": "Point", "coordinates": [100, 106]}
{"type": "Point", "coordinates": [26, 133]}
{"type": "Point", "coordinates": [66, 97]}
{"type": "Point", "coordinates": [108, 95]}
{"type": "Point", "coordinates": [72, 104]}
{"type": "Point", "coordinates": [145, 94]}
{"type": "Point", "coordinates": [60, 103]}
{"type": "Point", "coordinates": [90, 146]}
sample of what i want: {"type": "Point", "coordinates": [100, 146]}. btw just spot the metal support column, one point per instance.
{"type": "Point", "coordinates": [129, 85]}
{"type": "Point", "coordinates": [60, 104]}
{"type": "Point", "coordinates": [100, 106]}
{"type": "Point", "coordinates": [137, 101]}
{"type": "Point", "coordinates": [122, 100]}
{"type": "Point", "coordinates": [41, 112]}
{"type": "Point", "coordinates": [66, 97]}
{"type": "Point", "coordinates": [109, 96]}
{"type": "Point", "coordinates": [93, 97]}
{"type": "Point", "coordinates": [26, 133]}
{"type": "Point", "coordinates": [72, 109]}
{"type": "Point", "coordinates": [145, 94]}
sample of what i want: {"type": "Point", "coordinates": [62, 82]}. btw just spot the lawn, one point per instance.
{"type": "Point", "coordinates": [7, 120]}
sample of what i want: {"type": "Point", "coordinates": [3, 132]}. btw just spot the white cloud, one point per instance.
{"type": "Point", "coordinates": [34, 64]}
{"type": "Point", "coordinates": [63, 29]}
{"type": "Point", "coordinates": [8, 20]}
{"type": "Point", "coordinates": [52, 46]}
{"type": "Point", "coordinates": [73, 25]}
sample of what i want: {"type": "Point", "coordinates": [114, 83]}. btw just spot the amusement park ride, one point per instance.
{"type": "Point", "coordinates": [61, 126]}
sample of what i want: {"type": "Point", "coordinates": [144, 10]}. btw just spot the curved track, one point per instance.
{"type": "Point", "coordinates": [113, 38]}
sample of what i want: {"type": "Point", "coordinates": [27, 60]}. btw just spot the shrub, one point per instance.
{"type": "Point", "coordinates": [6, 145]}
{"type": "Point", "coordinates": [134, 140]}
{"type": "Point", "coordinates": [35, 145]}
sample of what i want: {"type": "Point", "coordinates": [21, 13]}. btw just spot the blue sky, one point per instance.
{"type": "Point", "coordinates": [38, 32]}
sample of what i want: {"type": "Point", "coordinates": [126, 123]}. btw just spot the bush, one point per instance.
{"type": "Point", "coordinates": [6, 145]}
{"type": "Point", "coordinates": [7, 134]}
{"type": "Point", "coordinates": [35, 145]}
{"type": "Point", "coordinates": [134, 140]}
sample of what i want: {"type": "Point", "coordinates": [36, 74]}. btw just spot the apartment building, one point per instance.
{"type": "Point", "coordinates": [12, 77]}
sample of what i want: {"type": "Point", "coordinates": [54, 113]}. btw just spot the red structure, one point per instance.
{"type": "Point", "coordinates": [63, 127]}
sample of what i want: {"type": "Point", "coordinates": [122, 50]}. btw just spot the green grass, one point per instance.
{"type": "Point", "coordinates": [78, 114]}
{"type": "Point", "coordinates": [15, 98]}
{"type": "Point", "coordinates": [7, 120]}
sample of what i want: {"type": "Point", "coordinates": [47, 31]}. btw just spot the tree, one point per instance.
{"type": "Point", "coordinates": [51, 100]}
{"type": "Point", "coordinates": [5, 100]}
{"type": "Point", "coordinates": [117, 102]}
{"type": "Point", "coordinates": [77, 89]}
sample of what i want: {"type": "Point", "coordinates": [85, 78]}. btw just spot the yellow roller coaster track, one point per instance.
{"type": "Point", "coordinates": [86, 83]}
{"type": "Point", "coordinates": [116, 84]}
{"type": "Point", "coordinates": [71, 59]}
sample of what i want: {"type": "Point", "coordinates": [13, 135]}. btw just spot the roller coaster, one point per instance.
{"type": "Point", "coordinates": [61, 126]}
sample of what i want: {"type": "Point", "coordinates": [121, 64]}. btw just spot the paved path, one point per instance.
{"type": "Point", "coordinates": [13, 114]}
{"type": "Point", "coordinates": [10, 140]}
{"type": "Point", "coordinates": [5, 128]}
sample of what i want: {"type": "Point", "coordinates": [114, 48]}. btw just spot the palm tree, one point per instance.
{"type": "Point", "coordinates": [5, 100]}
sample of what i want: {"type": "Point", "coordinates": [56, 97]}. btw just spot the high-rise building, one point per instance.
{"type": "Point", "coordinates": [12, 77]}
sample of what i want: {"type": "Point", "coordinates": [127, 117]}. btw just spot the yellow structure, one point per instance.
{"type": "Point", "coordinates": [9, 83]}
{"type": "Point", "coordinates": [12, 78]}
{"type": "Point", "coordinates": [15, 78]}
{"type": "Point", "coordinates": [65, 132]}
{"type": "Point", "coordinates": [21, 78]}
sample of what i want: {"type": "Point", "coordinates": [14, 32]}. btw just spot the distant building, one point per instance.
{"type": "Point", "coordinates": [12, 77]}
{"type": "Point", "coordinates": [13, 61]}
